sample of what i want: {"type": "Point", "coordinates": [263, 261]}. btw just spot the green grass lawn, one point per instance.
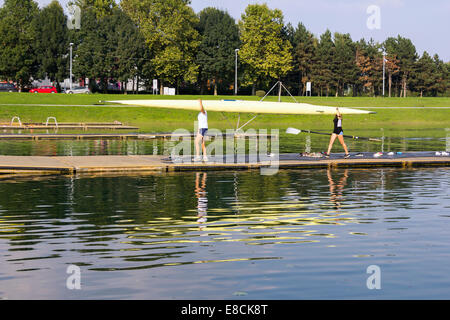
{"type": "Point", "coordinates": [64, 108]}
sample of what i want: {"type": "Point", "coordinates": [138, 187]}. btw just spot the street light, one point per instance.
{"type": "Point", "coordinates": [71, 45]}
{"type": "Point", "coordinates": [384, 67]}
{"type": "Point", "coordinates": [235, 73]}
{"type": "Point", "coordinates": [384, 70]}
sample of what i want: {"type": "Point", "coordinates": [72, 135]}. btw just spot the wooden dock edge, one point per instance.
{"type": "Point", "coordinates": [155, 164]}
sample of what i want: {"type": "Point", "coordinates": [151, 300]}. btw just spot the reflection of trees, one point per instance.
{"type": "Point", "coordinates": [314, 184]}
{"type": "Point", "coordinates": [91, 208]}
{"type": "Point", "coordinates": [84, 147]}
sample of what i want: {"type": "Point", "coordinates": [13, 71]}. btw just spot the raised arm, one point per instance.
{"type": "Point", "coordinates": [338, 113]}
{"type": "Point", "coordinates": [202, 110]}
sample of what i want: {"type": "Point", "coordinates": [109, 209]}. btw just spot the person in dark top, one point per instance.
{"type": "Point", "coordinates": [337, 133]}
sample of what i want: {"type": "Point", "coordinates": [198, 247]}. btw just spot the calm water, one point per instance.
{"type": "Point", "coordinates": [228, 235]}
{"type": "Point", "coordinates": [424, 140]}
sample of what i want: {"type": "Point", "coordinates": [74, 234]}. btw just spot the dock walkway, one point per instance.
{"type": "Point", "coordinates": [39, 165]}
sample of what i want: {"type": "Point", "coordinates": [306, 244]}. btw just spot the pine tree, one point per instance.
{"type": "Point", "coordinates": [304, 53]}
{"type": "Point", "coordinates": [392, 68]}
{"type": "Point", "coordinates": [345, 69]}
{"type": "Point", "coordinates": [323, 67]}
{"type": "Point", "coordinates": [369, 60]}
{"type": "Point", "coordinates": [405, 52]}
{"type": "Point", "coordinates": [425, 74]}
{"type": "Point", "coordinates": [442, 76]}
{"type": "Point", "coordinates": [216, 53]}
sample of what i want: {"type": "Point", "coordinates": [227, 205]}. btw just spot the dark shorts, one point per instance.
{"type": "Point", "coordinates": [339, 131]}
{"type": "Point", "coordinates": [202, 131]}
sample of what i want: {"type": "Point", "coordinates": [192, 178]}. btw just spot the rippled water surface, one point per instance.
{"type": "Point", "coordinates": [228, 235]}
{"type": "Point", "coordinates": [392, 140]}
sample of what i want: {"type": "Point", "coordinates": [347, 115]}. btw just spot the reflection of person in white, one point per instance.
{"type": "Point", "coordinates": [201, 194]}
{"type": "Point", "coordinates": [202, 129]}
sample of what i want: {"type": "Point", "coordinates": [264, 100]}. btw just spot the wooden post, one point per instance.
{"type": "Point", "coordinates": [279, 92]}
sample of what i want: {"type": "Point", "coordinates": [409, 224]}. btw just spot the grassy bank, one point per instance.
{"type": "Point", "coordinates": [418, 113]}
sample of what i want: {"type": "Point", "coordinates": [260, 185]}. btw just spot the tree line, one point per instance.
{"type": "Point", "coordinates": [196, 53]}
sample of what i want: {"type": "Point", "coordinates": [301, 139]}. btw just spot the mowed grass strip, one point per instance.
{"type": "Point", "coordinates": [65, 108]}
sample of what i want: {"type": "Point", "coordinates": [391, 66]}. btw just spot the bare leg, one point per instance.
{"type": "Point", "coordinates": [341, 140]}
{"type": "Point", "coordinates": [198, 138]}
{"type": "Point", "coordinates": [332, 139]}
{"type": "Point", "coordinates": [203, 147]}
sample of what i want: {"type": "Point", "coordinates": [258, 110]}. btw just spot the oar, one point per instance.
{"type": "Point", "coordinates": [297, 131]}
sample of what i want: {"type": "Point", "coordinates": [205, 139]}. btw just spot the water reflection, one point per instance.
{"type": "Point", "coordinates": [336, 189]}
{"type": "Point", "coordinates": [131, 223]}
{"type": "Point", "coordinates": [424, 140]}
{"type": "Point", "coordinates": [201, 194]}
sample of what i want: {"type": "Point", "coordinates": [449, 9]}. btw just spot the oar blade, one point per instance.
{"type": "Point", "coordinates": [293, 131]}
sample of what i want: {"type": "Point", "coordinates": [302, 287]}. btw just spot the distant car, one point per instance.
{"type": "Point", "coordinates": [78, 90]}
{"type": "Point", "coordinates": [7, 87]}
{"type": "Point", "coordinates": [44, 89]}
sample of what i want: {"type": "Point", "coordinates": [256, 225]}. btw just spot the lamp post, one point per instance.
{"type": "Point", "coordinates": [71, 45]}
{"type": "Point", "coordinates": [235, 73]}
{"type": "Point", "coordinates": [384, 70]}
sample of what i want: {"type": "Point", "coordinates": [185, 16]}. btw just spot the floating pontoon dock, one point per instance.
{"type": "Point", "coordinates": [67, 126]}
{"type": "Point", "coordinates": [144, 163]}
{"type": "Point", "coordinates": [81, 136]}
{"type": "Point", "coordinates": [52, 123]}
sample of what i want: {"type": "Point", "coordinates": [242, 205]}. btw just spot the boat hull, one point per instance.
{"type": "Point", "coordinates": [241, 106]}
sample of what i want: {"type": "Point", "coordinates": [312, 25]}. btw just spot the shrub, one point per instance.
{"type": "Point", "coordinates": [260, 93]}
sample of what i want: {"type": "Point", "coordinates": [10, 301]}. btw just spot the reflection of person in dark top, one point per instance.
{"type": "Point", "coordinates": [336, 190]}
{"type": "Point", "coordinates": [338, 132]}
{"type": "Point", "coordinates": [201, 194]}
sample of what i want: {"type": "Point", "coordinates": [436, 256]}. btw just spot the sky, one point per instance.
{"type": "Point", "coordinates": [426, 23]}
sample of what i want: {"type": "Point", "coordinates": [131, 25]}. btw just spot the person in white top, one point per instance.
{"type": "Point", "coordinates": [202, 129]}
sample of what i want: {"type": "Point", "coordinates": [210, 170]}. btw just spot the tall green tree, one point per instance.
{"type": "Point", "coordinates": [304, 55]}
{"type": "Point", "coordinates": [345, 69]}
{"type": "Point", "coordinates": [168, 27]}
{"type": "Point", "coordinates": [322, 72]}
{"type": "Point", "coordinates": [369, 61]}
{"type": "Point", "coordinates": [442, 76]}
{"type": "Point", "coordinates": [131, 56]}
{"type": "Point", "coordinates": [100, 7]}
{"type": "Point", "coordinates": [291, 78]}
{"type": "Point", "coordinates": [17, 41]}
{"type": "Point", "coordinates": [110, 48]}
{"type": "Point", "coordinates": [392, 69]}
{"type": "Point", "coordinates": [90, 49]}
{"type": "Point", "coordinates": [425, 74]}
{"type": "Point", "coordinates": [405, 51]}
{"type": "Point", "coordinates": [264, 51]}
{"type": "Point", "coordinates": [216, 53]}
{"type": "Point", "coordinates": [52, 44]}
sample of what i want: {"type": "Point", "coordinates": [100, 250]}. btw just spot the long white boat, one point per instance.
{"type": "Point", "coordinates": [242, 106]}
